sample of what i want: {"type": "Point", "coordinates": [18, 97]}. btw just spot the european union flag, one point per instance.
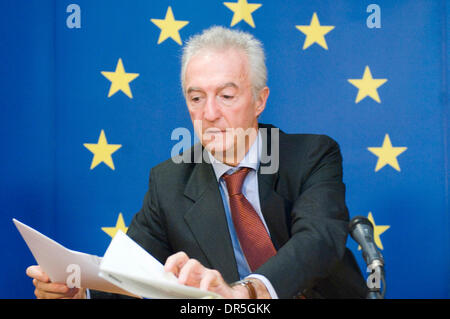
{"type": "Point", "coordinates": [91, 94]}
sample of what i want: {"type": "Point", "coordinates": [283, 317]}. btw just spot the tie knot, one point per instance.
{"type": "Point", "coordinates": [235, 181]}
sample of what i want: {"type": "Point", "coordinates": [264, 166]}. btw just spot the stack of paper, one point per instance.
{"type": "Point", "coordinates": [128, 266]}
{"type": "Point", "coordinates": [125, 269]}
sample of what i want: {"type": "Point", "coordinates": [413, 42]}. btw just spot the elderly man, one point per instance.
{"type": "Point", "coordinates": [218, 221]}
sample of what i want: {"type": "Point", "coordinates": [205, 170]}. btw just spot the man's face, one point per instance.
{"type": "Point", "coordinates": [220, 99]}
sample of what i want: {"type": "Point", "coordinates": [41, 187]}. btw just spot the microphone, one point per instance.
{"type": "Point", "coordinates": [361, 230]}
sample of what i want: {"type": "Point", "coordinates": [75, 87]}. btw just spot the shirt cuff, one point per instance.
{"type": "Point", "coordinates": [266, 282]}
{"type": "Point", "coordinates": [88, 294]}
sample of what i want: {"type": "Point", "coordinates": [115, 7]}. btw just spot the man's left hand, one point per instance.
{"type": "Point", "coordinates": [191, 272]}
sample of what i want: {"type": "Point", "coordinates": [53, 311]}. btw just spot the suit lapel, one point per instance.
{"type": "Point", "coordinates": [275, 208]}
{"type": "Point", "coordinates": [207, 222]}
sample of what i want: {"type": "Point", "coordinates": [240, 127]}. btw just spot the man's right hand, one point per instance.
{"type": "Point", "coordinates": [48, 290]}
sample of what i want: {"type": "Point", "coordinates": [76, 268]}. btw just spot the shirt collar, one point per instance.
{"type": "Point", "coordinates": [251, 160]}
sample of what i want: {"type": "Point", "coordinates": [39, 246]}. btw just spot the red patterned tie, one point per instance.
{"type": "Point", "coordinates": [252, 234]}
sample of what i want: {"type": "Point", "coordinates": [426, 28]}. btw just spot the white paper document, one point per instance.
{"type": "Point", "coordinates": [129, 266]}
{"type": "Point", "coordinates": [59, 263]}
{"type": "Point", "coordinates": [126, 267]}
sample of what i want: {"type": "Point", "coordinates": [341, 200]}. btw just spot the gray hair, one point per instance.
{"type": "Point", "coordinates": [220, 38]}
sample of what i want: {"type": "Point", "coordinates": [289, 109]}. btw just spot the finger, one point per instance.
{"type": "Point", "coordinates": [191, 273]}
{"type": "Point", "coordinates": [210, 279]}
{"type": "Point", "coordinates": [53, 290]}
{"type": "Point", "coordinates": [50, 287]}
{"type": "Point", "coordinates": [175, 262]}
{"type": "Point", "coordinates": [75, 293]}
{"type": "Point", "coordinates": [41, 294]}
{"type": "Point", "coordinates": [37, 273]}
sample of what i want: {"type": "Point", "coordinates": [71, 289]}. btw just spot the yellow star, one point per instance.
{"type": "Point", "coordinates": [315, 33]}
{"type": "Point", "coordinates": [120, 80]}
{"type": "Point", "coordinates": [102, 151]}
{"type": "Point", "coordinates": [377, 231]}
{"type": "Point", "coordinates": [120, 224]}
{"type": "Point", "coordinates": [169, 27]}
{"type": "Point", "coordinates": [242, 11]}
{"type": "Point", "coordinates": [367, 86]}
{"type": "Point", "coordinates": [387, 154]}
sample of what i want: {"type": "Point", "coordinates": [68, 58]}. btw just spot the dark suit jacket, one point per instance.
{"type": "Point", "coordinates": [303, 205]}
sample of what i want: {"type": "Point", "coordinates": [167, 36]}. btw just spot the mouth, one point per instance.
{"type": "Point", "coordinates": [213, 131]}
{"type": "Point", "coordinates": [214, 135]}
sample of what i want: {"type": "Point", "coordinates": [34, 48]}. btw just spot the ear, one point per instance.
{"type": "Point", "coordinates": [261, 100]}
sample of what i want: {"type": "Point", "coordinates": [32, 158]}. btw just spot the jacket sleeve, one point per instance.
{"type": "Point", "coordinates": [148, 227]}
{"type": "Point", "coordinates": [148, 230]}
{"type": "Point", "coordinates": [318, 226]}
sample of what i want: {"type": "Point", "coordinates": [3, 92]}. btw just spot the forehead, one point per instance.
{"type": "Point", "coordinates": [216, 68]}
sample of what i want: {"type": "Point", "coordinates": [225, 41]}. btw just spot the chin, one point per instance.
{"type": "Point", "coordinates": [218, 150]}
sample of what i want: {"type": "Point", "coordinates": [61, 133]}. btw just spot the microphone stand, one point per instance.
{"type": "Point", "coordinates": [361, 230]}
{"type": "Point", "coordinates": [375, 291]}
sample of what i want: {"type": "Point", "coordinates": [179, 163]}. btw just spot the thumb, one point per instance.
{"type": "Point", "coordinates": [37, 273]}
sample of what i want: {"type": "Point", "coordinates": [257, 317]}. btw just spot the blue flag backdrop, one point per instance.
{"type": "Point", "coordinates": [91, 93]}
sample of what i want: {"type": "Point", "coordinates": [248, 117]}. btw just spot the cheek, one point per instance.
{"type": "Point", "coordinates": [240, 117]}
{"type": "Point", "coordinates": [196, 122]}
{"type": "Point", "coordinates": [197, 119]}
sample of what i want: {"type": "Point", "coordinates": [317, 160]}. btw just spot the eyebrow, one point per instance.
{"type": "Point", "coordinates": [228, 84]}
{"type": "Point", "coordinates": [194, 89]}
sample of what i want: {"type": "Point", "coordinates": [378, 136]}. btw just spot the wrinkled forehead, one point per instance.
{"type": "Point", "coordinates": [213, 66]}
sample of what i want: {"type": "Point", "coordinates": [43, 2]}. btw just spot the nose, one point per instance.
{"type": "Point", "coordinates": [211, 110]}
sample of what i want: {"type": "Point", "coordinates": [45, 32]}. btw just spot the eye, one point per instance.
{"type": "Point", "coordinates": [227, 97]}
{"type": "Point", "coordinates": [195, 99]}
